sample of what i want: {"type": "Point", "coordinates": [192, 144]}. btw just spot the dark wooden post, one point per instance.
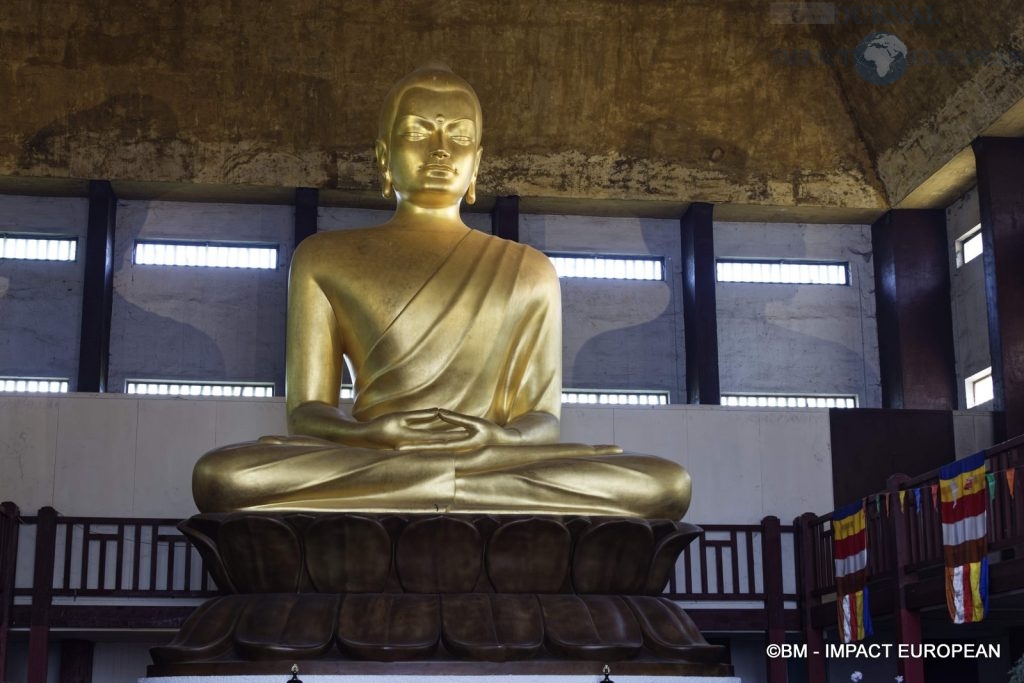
{"type": "Point", "coordinates": [1000, 164]}
{"type": "Point", "coordinates": [807, 561]}
{"type": "Point", "coordinates": [76, 661]}
{"type": "Point", "coordinates": [98, 288]}
{"type": "Point", "coordinates": [9, 527]}
{"type": "Point", "coordinates": [908, 622]}
{"type": "Point", "coordinates": [700, 317]}
{"type": "Point", "coordinates": [774, 604]}
{"type": "Point", "coordinates": [307, 202]}
{"type": "Point", "coordinates": [915, 320]}
{"type": "Point", "coordinates": [42, 594]}
{"type": "Point", "coordinates": [505, 218]}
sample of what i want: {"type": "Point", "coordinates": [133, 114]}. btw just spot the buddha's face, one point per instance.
{"type": "Point", "coordinates": [434, 150]}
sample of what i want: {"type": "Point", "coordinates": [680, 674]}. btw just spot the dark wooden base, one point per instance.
{"type": "Point", "coordinates": [539, 667]}
{"type": "Point", "coordinates": [347, 592]}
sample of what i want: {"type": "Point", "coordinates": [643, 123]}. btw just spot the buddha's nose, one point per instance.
{"type": "Point", "coordinates": [440, 154]}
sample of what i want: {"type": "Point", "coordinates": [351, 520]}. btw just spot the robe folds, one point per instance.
{"type": "Point", "coordinates": [481, 337]}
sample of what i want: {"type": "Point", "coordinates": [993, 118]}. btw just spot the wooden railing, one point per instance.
{"type": "Point", "coordinates": [904, 529]}
{"type": "Point", "coordinates": [122, 558]}
{"type": "Point", "coordinates": [143, 573]}
{"type": "Point", "coordinates": [922, 520]}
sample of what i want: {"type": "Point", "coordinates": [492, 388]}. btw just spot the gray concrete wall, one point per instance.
{"type": "Point", "coordinates": [617, 334]}
{"type": "Point", "coordinates": [41, 301]}
{"type": "Point", "coordinates": [973, 430]}
{"type": "Point", "coordinates": [118, 455]}
{"type": "Point", "coordinates": [199, 323]}
{"type": "Point", "coordinates": [967, 291]}
{"type": "Point", "coordinates": [781, 338]}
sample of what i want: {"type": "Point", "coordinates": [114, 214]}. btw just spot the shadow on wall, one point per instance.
{"type": "Point", "coordinates": [643, 356]}
{"type": "Point", "coordinates": [147, 345]}
{"type": "Point", "coordinates": [124, 135]}
{"type": "Point", "coordinates": [796, 339]}
{"type": "Point", "coordinates": [160, 348]}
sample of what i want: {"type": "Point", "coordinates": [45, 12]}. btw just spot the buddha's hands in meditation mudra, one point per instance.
{"type": "Point", "coordinates": [454, 338]}
{"type": "Point", "coordinates": [431, 429]}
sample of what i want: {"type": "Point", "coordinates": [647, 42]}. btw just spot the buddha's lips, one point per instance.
{"type": "Point", "coordinates": [439, 167]}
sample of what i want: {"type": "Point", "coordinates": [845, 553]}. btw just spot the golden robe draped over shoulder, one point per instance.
{"type": "Point", "coordinates": [487, 321]}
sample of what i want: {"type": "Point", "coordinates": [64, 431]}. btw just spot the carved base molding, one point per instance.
{"type": "Point", "coordinates": [347, 593]}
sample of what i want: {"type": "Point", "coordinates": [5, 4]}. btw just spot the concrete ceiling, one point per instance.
{"type": "Point", "coordinates": [635, 107]}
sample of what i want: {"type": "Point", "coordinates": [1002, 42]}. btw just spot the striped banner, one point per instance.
{"type": "Point", "coordinates": [850, 539]}
{"type": "Point", "coordinates": [854, 616]}
{"type": "Point", "coordinates": [963, 488]}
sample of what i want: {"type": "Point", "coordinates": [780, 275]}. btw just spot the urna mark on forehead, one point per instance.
{"type": "Point", "coordinates": [431, 79]}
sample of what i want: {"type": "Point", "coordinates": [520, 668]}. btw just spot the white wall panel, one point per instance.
{"type": "Point", "coordinates": [121, 455]}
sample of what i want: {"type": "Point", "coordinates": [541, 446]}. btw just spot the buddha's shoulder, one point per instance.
{"type": "Point", "coordinates": [332, 245]}
{"type": "Point", "coordinates": [536, 267]}
{"type": "Point", "coordinates": [534, 259]}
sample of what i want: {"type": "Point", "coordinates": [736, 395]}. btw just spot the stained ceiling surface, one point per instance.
{"type": "Point", "coordinates": [633, 103]}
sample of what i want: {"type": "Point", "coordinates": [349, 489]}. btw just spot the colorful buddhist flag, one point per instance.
{"type": "Point", "coordinates": [850, 540]}
{"type": "Point", "coordinates": [963, 487]}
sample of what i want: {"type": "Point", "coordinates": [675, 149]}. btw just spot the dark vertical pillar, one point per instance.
{"type": "Point", "coordinates": [915, 320]}
{"type": "Point", "coordinates": [908, 621]}
{"type": "Point", "coordinates": [807, 563]}
{"type": "Point", "coordinates": [9, 529]}
{"type": "Point", "coordinates": [42, 594]}
{"type": "Point", "coordinates": [700, 316]}
{"type": "Point", "coordinates": [774, 605]}
{"type": "Point", "coordinates": [1000, 164]}
{"type": "Point", "coordinates": [505, 218]}
{"type": "Point", "coordinates": [307, 203]}
{"type": "Point", "coordinates": [98, 289]}
{"type": "Point", "coordinates": [76, 661]}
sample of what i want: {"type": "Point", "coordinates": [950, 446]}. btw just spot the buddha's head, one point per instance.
{"type": "Point", "coordinates": [428, 145]}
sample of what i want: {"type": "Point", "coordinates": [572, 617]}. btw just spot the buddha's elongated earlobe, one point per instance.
{"type": "Point", "coordinates": [387, 188]}
{"type": "Point", "coordinates": [471, 190]}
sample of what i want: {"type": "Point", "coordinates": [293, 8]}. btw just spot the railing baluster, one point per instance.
{"type": "Point", "coordinates": [10, 528]}
{"type": "Point", "coordinates": [188, 567]}
{"type": "Point", "coordinates": [137, 556]}
{"type": "Point", "coordinates": [84, 564]}
{"type": "Point", "coordinates": [734, 548]}
{"type": "Point", "coordinates": [101, 573]}
{"type": "Point", "coordinates": [69, 537]}
{"type": "Point", "coordinates": [154, 545]}
{"type": "Point", "coordinates": [119, 572]}
{"type": "Point", "coordinates": [170, 561]}
{"type": "Point", "coordinates": [751, 583]}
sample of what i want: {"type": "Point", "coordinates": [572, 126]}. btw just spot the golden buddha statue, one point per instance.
{"type": "Point", "coordinates": [454, 338]}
